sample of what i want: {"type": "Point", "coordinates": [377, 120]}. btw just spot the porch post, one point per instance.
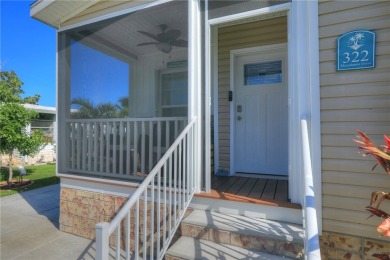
{"type": "Point", "coordinates": [195, 90]}
{"type": "Point", "coordinates": [207, 101]}
{"type": "Point", "coordinates": [305, 97]}
{"type": "Point", "coordinates": [102, 241]}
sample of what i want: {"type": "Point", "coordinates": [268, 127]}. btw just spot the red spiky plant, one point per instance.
{"type": "Point", "coordinates": [382, 156]}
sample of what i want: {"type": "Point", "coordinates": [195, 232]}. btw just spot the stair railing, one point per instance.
{"type": "Point", "coordinates": [311, 239]}
{"type": "Point", "coordinates": [147, 222]}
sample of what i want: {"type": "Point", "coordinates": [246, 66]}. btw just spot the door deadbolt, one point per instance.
{"type": "Point", "coordinates": [239, 108]}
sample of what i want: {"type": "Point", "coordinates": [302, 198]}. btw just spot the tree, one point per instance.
{"type": "Point", "coordinates": [14, 119]}
{"type": "Point", "coordinates": [32, 100]}
{"type": "Point", "coordinates": [86, 109]}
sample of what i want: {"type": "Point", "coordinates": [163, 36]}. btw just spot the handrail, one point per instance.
{"type": "Point", "coordinates": [125, 119]}
{"type": "Point", "coordinates": [312, 245]}
{"type": "Point", "coordinates": [180, 194]}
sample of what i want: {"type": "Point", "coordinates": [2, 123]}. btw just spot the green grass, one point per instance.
{"type": "Point", "coordinates": [40, 175]}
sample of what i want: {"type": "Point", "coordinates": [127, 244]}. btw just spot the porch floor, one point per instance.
{"type": "Point", "coordinates": [264, 191]}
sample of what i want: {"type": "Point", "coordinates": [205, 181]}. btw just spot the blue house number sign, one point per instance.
{"type": "Point", "coordinates": [356, 50]}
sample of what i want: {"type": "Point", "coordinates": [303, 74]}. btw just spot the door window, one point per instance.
{"type": "Point", "coordinates": [269, 72]}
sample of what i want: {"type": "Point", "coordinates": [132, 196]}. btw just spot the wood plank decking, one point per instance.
{"type": "Point", "coordinates": [271, 192]}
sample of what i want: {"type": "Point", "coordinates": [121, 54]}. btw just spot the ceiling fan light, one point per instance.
{"type": "Point", "coordinates": [164, 47]}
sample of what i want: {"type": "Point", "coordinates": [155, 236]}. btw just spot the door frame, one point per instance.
{"type": "Point", "coordinates": [234, 54]}
{"type": "Point", "coordinates": [303, 74]}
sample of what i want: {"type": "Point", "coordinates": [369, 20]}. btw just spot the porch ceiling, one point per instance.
{"type": "Point", "coordinates": [124, 31]}
{"type": "Point", "coordinates": [121, 35]}
{"type": "Point", "coordinates": [54, 13]}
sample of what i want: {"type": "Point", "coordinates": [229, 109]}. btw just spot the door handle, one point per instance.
{"type": "Point", "coordinates": [239, 118]}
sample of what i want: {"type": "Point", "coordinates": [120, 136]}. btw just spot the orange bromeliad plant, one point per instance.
{"type": "Point", "coordinates": [382, 156]}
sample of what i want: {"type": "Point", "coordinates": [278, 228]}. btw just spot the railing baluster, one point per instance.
{"type": "Point", "coordinates": [90, 143]}
{"type": "Point", "coordinates": [180, 188]}
{"type": "Point", "coordinates": [190, 136]}
{"type": "Point", "coordinates": [174, 185]}
{"type": "Point", "coordinates": [128, 232]}
{"type": "Point", "coordinates": [185, 186]}
{"type": "Point", "coordinates": [114, 147]}
{"type": "Point", "coordinates": [78, 148]}
{"type": "Point", "coordinates": [101, 143]}
{"type": "Point", "coordinates": [158, 213]}
{"type": "Point", "coordinates": [85, 143]}
{"type": "Point", "coordinates": [143, 149]}
{"type": "Point", "coordinates": [150, 155]}
{"type": "Point", "coordinates": [167, 134]}
{"type": "Point", "coordinates": [170, 195]}
{"type": "Point", "coordinates": [128, 148]}
{"type": "Point", "coordinates": [176, 128]}
{"type": "Point", "coordinates": [95, 146]}
{"type": "Point", "coordinates": [145, 243]}
{"type": "Point", "coordinates": [136, 229]}
{"type": "Point", "coordinates": [108, 130]}
{"type": "Point", "coordinates": [151, 251]}
{"type": "Point", "coordinates": [158, 141]}
{"type": "Point", "coordinates": [73, 145]}
{"type": "Point", "coordinates": [121, 147]}
{"type": "Point", "coordinates": [118, 242]}
{"type": "Point", "coordinates": [165, 204]}
{"type": "Point", "coordinates": [135, 154]}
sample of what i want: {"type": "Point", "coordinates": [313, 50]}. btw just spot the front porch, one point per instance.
{"type": "Point", "coordinates": [262, 190]}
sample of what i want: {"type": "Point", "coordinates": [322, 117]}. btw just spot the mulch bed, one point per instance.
{"type": "Point", "coordinates": [4, 185]}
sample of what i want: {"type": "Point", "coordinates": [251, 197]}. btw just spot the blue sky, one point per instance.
{"type": "Point", "coordinates": [28, 48]}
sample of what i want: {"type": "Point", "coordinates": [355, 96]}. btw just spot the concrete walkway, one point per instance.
{"type": "Point", "coordinates": [29, 228]}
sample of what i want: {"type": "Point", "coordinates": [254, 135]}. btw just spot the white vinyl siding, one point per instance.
{"type": "Point", "coordinates": [253, 34]}
{"type": "Point", "coordinates": [352, 100]}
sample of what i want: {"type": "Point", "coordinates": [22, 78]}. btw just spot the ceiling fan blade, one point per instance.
{"type": "Point", "coordinates": [146, 43]}
{"type": "Point", "coordinates": [149, 35]}
{"type": "Point", "coordinates": [172, 34]}
{"type": "Point", "coordinates": [179, 43]}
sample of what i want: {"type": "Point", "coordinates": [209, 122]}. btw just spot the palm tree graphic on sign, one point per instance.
{"type": "Point", "coordinates": [356, 41]}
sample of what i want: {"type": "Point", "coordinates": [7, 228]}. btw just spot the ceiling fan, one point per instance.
{"type": "Point", "coordinates": [165, 40]}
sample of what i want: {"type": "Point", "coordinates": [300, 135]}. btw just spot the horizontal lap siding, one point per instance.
{"type": "Point", "coordinates": [260, 33]}
{"type": "Point", "coordinates": [352, 100]}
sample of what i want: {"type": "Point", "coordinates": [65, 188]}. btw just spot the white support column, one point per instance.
{"type": "Point", "coordinates": [195, 90]}
{"type": "Point", "coordinates": [315, 99]}
{"type": "Point", "coordinates": [207, 102]}
{"type": "Point", "coordinates": [304, 96]}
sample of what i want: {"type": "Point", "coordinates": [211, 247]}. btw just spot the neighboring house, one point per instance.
{"type": "Point", "coordinates": [239, 77]}
{"type": "Point", "coordinates": [45, 122]}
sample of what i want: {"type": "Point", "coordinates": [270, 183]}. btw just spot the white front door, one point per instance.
{"type": "Point", "coordinates": [261, 113]}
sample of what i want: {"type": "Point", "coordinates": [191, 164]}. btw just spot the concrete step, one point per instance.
{"type": "Point", "coordinates": [273, 237]}
{"type": "Point", "coordinates": [187, 248]}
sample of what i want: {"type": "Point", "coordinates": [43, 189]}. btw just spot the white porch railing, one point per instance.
{"type": "Point", "coordinates": [311, 240]}
{"type": "Point", "coordinates": [124, 148]}
{"type": "Point", "coordinates": [145, 225]}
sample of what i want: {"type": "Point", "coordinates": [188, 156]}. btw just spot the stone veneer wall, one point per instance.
{"type": "Point", "coordinates": [81, 210]}
{"type": "Point", "coordinates": [341, 246]}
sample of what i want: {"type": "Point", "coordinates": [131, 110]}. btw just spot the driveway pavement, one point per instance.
{"type": "Point", "coordinates": [29, 228]}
